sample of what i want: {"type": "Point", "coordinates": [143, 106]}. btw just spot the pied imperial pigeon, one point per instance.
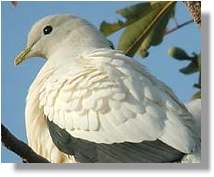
{"type": "Point", "coordinates": [91, 103]}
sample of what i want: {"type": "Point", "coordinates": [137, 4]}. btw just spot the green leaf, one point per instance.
{"type": "Point", "coordinates": [190, 69]}
{"type": "Point", "coordinates": [141, 13]}
{"type": "Point", "coordinates": [109, 28]}
{"type": "Point", "coordinates": [131, 14]}
{"type": "Point", "coordinates": [143, 53]}
{"type": "Point", "coordinates": [156, 35]}
{"type": "Point", "coordinates": [179, 54]}
{"type": "Point", "coordinates": [197, 86]}
{"type": "Point", "coordinates": [144, 32]}
{"type": "Point", "coordinates": [196, 95]}
{"type": "Point", "coordinates": [135, 11]}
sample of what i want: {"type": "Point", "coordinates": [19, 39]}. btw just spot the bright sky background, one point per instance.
{"type": "Point", "coordinates": [16, 22]}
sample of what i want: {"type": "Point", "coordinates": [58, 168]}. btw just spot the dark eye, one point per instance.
{"type": "Point", "coordinates": [47, 30]}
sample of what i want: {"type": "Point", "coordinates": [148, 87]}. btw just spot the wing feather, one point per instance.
{"type": "Point", "coordinates": [112, 100]}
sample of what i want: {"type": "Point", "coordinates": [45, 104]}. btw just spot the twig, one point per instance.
{"type": "Point", "coordinates": [19, 147]}
{"type": "Point", "coordinates": [179, 26]}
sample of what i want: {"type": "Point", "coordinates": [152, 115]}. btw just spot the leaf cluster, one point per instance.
{"type": "Point", "coordinates": [194, 65]}
{"type": "Point", "coordinates": [145, 25]}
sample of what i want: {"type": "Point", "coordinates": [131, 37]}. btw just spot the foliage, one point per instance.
{"type": "Point", "coordinates": [193, 67]}
{"type": "Point", "coordinates": [143, 20]}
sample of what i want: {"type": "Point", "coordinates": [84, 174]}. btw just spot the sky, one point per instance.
{"type": "Point", "coordinates": [15, 80]}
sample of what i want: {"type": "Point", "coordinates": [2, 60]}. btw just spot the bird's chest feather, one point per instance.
{"type": "Point", "coordinates": [36, 124]}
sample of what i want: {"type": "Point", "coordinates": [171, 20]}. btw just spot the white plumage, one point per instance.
{"type": "Point", "coordinates": [194, 107]}
{"type": "Point", "coordinates": [98, 94]}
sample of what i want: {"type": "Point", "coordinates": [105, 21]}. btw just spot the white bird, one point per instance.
{"type": "Point", "coordinates": [95, 104]}
{"type": "Point", "coordinates": [194, 107]}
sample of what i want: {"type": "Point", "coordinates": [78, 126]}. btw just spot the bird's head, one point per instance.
{"type": "Point", "coordinates": [54, 32]}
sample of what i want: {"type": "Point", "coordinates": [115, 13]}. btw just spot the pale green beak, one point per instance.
{"type": "Point", "coordinates": [23, 55]}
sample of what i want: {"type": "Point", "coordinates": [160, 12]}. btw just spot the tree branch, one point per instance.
{"type": "Point", "coordinates": [194, 8]}
{"type": "Point", "coordinates": [179, 26]}
{"type": "Point", "coordinates": [14, 3]}
{"type": "Point", "coordinates": [20, 148]}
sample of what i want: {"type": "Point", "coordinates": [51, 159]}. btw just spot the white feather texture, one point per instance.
{"type": "Point", "coordinates": [112, 99]}
{"type": "Point", "coordinates": [98, 94]}
{"type": "Point", "coordinates": [194, 107]}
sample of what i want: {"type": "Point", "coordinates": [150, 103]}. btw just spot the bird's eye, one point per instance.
{"type": "Point", "coordinates": [47, 30]}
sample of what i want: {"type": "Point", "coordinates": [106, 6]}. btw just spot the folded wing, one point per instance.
{"type": "Point", "coordinates": [114, 100]}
